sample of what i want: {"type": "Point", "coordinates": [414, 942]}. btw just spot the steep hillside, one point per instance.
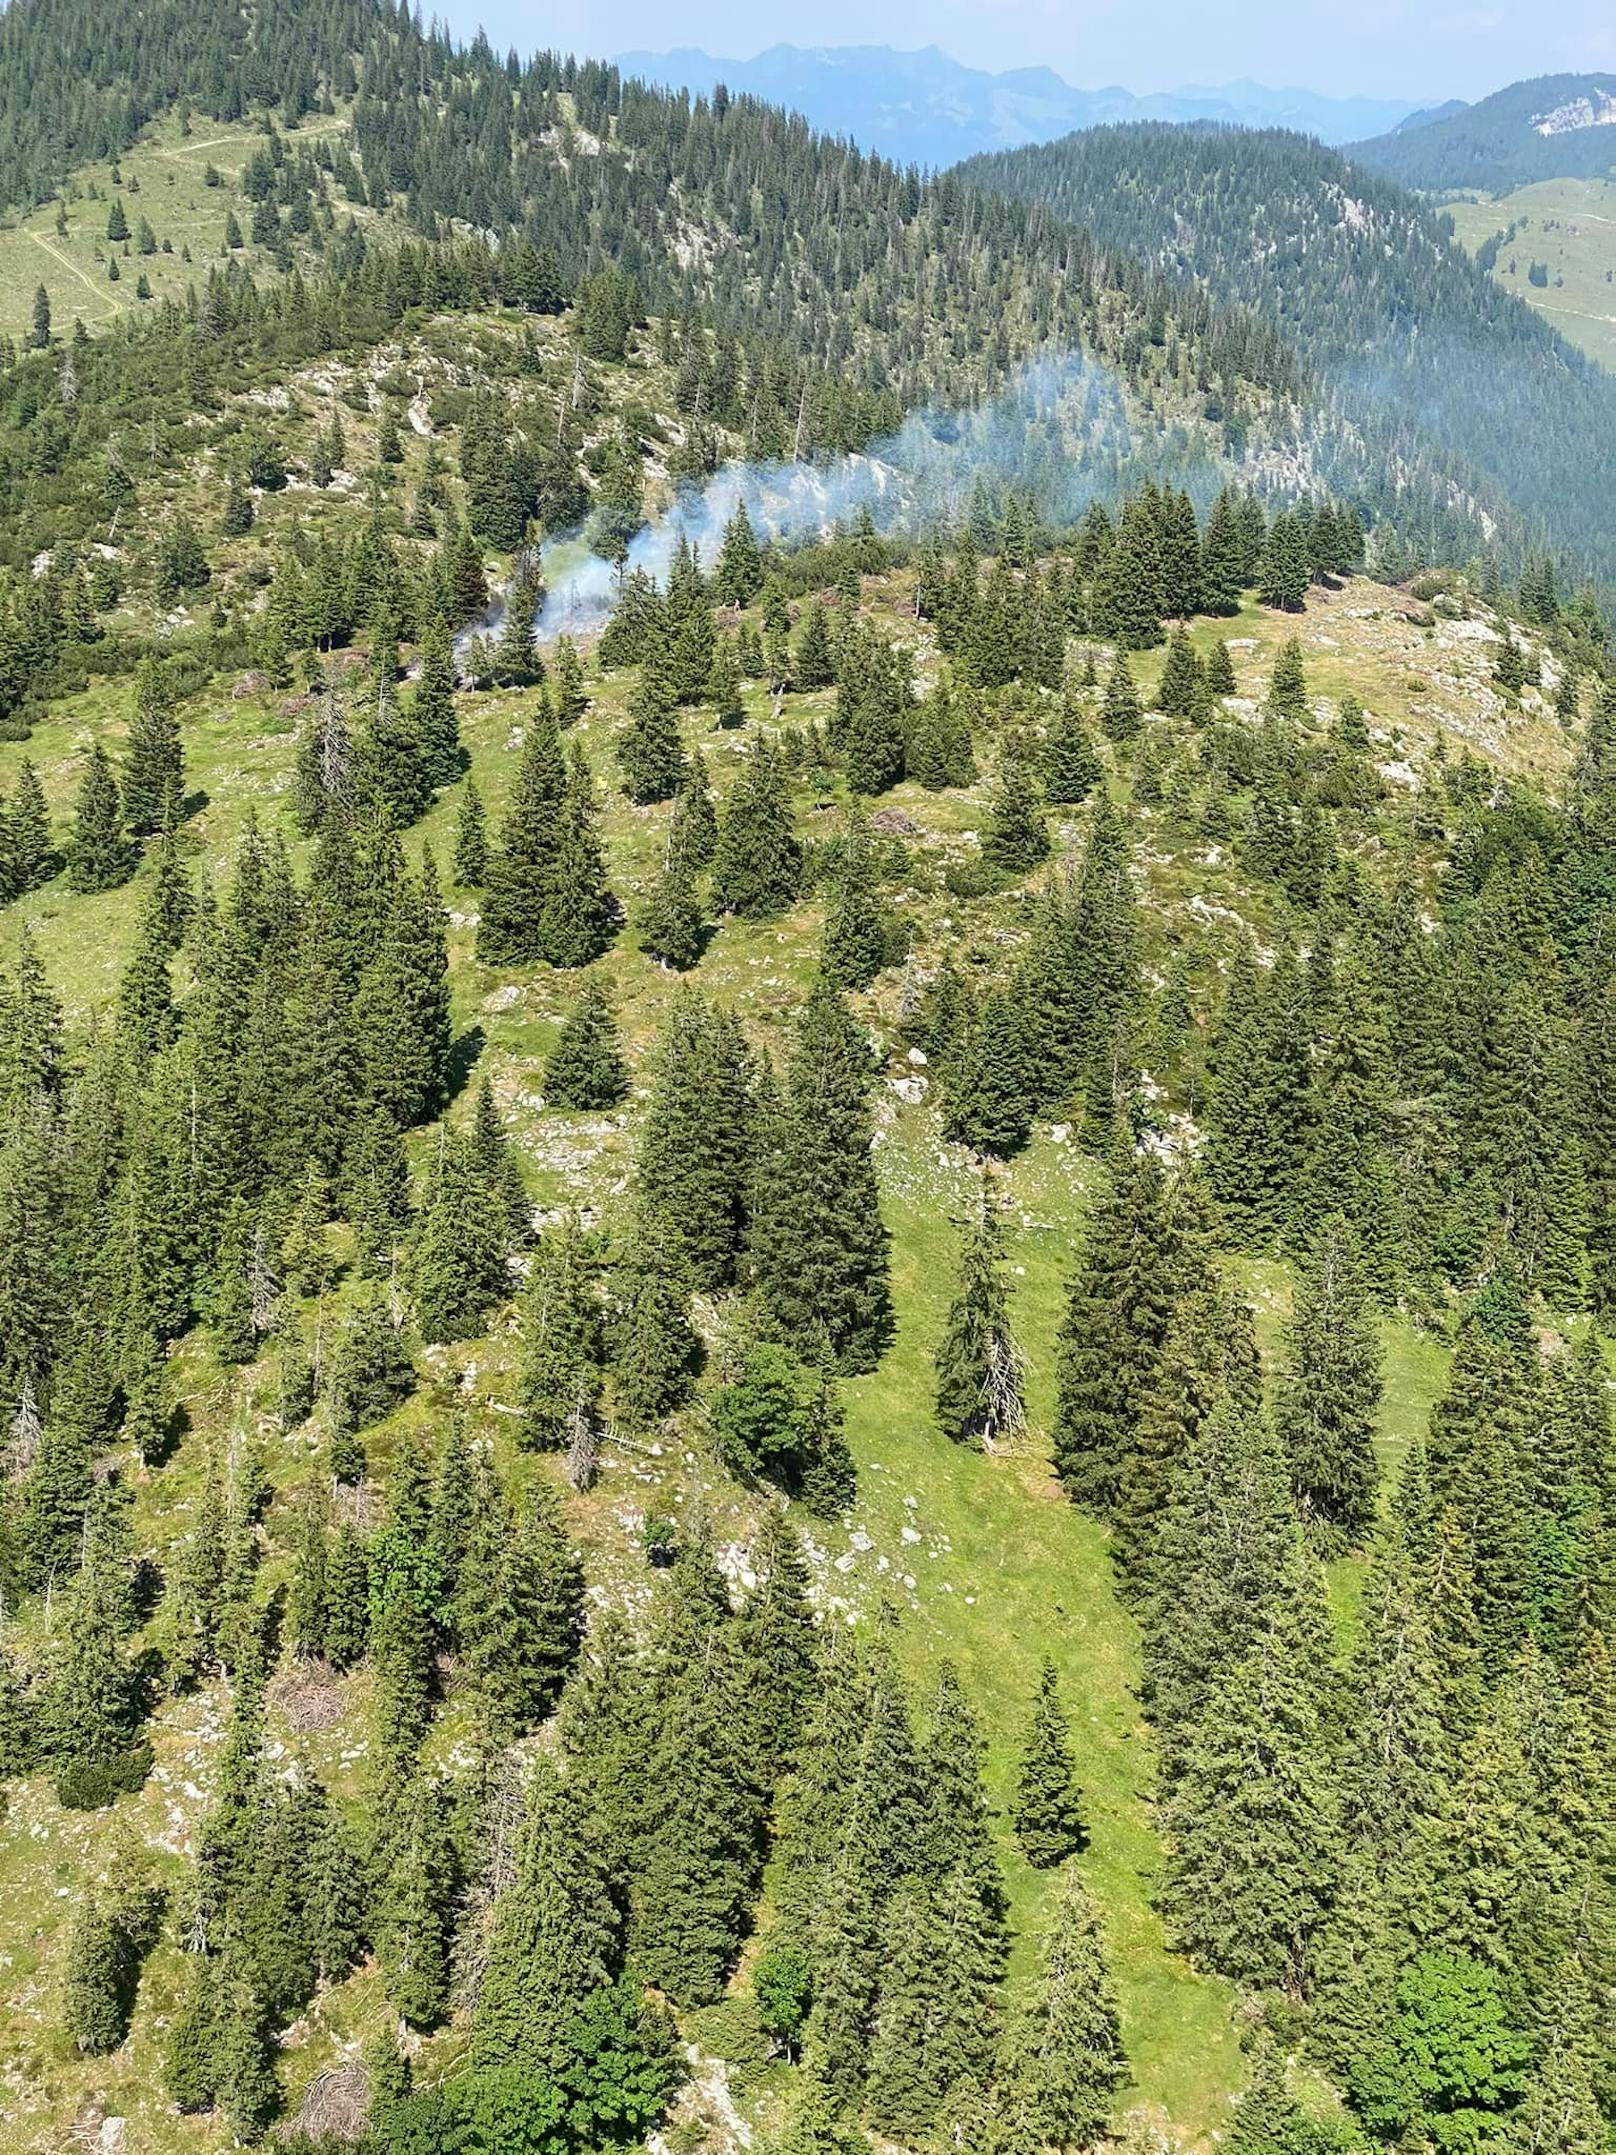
{"type": "Point", "coordinates": [1426, 358]}
{"type": "Point", "coordinates": [192, 200]}
{"type": "Point", "coordinates": [1552, 127]}
{"type": "Point", "coordinates": [1554, 245]}
{"type": "Point", "coordinates": [987, 1563]}
{"type": "Point", "coordinates": [807, 1155]}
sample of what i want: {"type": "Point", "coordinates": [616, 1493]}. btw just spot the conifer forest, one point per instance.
{"type": "Point", "coordinates": [807, 1130]}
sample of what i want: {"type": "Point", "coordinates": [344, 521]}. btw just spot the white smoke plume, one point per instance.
{"type": "Point", "coordinates": [1060, 430]}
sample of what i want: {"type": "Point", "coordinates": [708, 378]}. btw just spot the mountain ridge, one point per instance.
{"type": "Point", "coordinates": [1402, 330]}
{"type": "Point", "coordinates": [926, 108]}
{"type": "Point", "coordinates": [1543, 128]}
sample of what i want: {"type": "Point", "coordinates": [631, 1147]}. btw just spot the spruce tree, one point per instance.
{"type": "Point", "coordinates": [757, 865]}
{"type": "Point", "coordinates": [458, 1265]}
{"type": "Point", "coordinates": [1138, 1255]}
{"type": "Point", "coordinates": [1121, 713]}
{"type": "Point", "coordinates": [402, 1024]}
{"type": "Point", "coordinates": [91, 1709]}
{"type": "Point", "coordinates": [1181, 677]}
{"type": "Point", "coordinates": [471, 841]}
{"type": "Point", "coordinates": [813, 663]}
{"type": "Point", "coordinates": [649, 753]}
{"type": "Point", "coordinates": [657, 1351]}
{"type": "Point", "coordinates": [854, 943]}
{"type": "Point", "coordinates": [695, 1163]}
{"type": "Point", "coordinates": [584, 1070]}
{"type": "Point", "coordinates": [670, 925]}
{"type": "Point", "coordinates": [436, 726]}
{"type": "Point", "coordinates": [1221, 1548]}
{"type": "Point", "coordinates": [819, 1245]}
{"type": "Point", "coordinates": [781, 1654]}
{"type": "Point", "coordinates": [553, 1941]}
{"type": "Point", "coordinates": [1048, 1809]}
{"type": "Point", "coordinates": [1209, 1354]}
{"type": "Point", "coordinates": [567, 682]}
{"type": "Point", "coordinates": [116, 1924]}
{"type": "Point", "coordinates": [519, 1617]}
{"type": "Point", "coordinates": [1016, 837]}
{"type": "Point", "coordinates": [1064, 2061]}
{"type": "Point", "coordinates": [147, 1019]}
{"type": "Point", "coordinates": [1222, 561]}
{"type": "Point", "coordinates": [1285, 569]}
{"type": "Point", "coordinates": [932, 2028]}
{"type": "Point", "coordinates": [979, 1397]}
{"type": "Point", "coordinates": [376, 1188]}
{"type": "Point", "coordinates": [1326, 1407]}
{"type": "Point", "coordinates": [1071, 768]}
{"type": "Point", "coordinates": [1128, 598]}
{"type": "Point", "coordinates": [579, 922]}
{"type": "Point", "coordinates": [826, 1476]}
{"type": "Point", "coordinates": [698, 1857]}
{"type": "Point", "coordinates": [370, 1370]}
{"type": "Point", "coordinates": [401, 1645]}
{"type": "Point", "coordinates": [1287, 690]}
{"type": "Point", "coordinates": [28, 830]}
{"type": "Point", "coordinates": [347, 1599]}
{"type": "Point", "coordinates": [723, 690]}
{"type": "Point", "coordinates": [738, 572]}
{"type": "Point", "coordinates": [989, 1093]}
{"type": "Point", "coordinates": [1259, 1101]}
{"type": "Point", "coordinates": [412, 1920]}
{"type": "Point", "coordinates": [521, 868]}
{"type": "Point", "coordinates": [693, 832]}
{"type": "Point", "coordinates": [1252, 1822]}
{"type": "Point", "coordinates": [154, 773]}
{"type": "Point", "coordinates": [306, 1606]}
{"type": "Point", "coordinates": [98, 856]}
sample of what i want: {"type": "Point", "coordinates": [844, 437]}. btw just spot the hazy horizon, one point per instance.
{"type": "Point", "coordinates": [1391, 49]}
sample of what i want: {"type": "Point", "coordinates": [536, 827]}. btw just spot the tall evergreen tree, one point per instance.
{"type": "Point", "coordinates": [154, 773]}
{"type": "Point", "coordinates": [1016, 837]}
{"type": "Point", "coordinates": [98, 856]}
{"type": "Point", "coordinates": [1326, 1407]}
{"type": "Point", "coordinates": [757, 865]}
{"type": "Point", "coordinates": [584, 1070]}
{"type": "Point", "coordinates": [650, 754]}
{"type": "Point", "coordinates": [1064, 2060]}
{"type": "Point", "coordinates": [458, 1266]}
{"type": "Point", "coordinates": [854, 944]}
{"type": "Point", "coordinates": [989, 1095]}
{"type": "Point", "coordinates": [554, 1937]}
{"type": "Point", "coordinates": [979, 1372]}
{"type": "Point", "coordinates": [1252, 1822]}
{"type": "Point", "coordinates": [819, 1246]}
{"type": "Point", "coordinates": [1048, 1810]}
{"type": "Point", "coordinates": [1121, 713]}
{"type": "Point", "coordinates": [695, 1164]}
{"type": "Point", "coordinates": [1139, 1254]}
{"type": "Point", "coordinates": [657, 1353]}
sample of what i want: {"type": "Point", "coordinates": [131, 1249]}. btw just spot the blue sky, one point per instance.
{"type": "Point", "coordinates": [1393, 48]}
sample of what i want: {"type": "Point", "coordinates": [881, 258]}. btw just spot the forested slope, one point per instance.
{"type": "Point", "coordinates": [825, 1373]}
{"type": "Point", "coordinates": [1414, 349]}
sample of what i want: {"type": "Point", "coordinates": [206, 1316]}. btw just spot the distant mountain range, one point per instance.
{"type": "Point", "coordinates": [925, 108]}
{"type": "Point", "coordinates": [1555, 127]}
